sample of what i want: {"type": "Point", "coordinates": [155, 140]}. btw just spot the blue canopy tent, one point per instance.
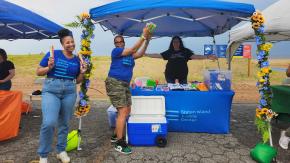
{"type": "Point", "coordinates": [19, 23]}
{"type": "Point", "coordinates": [187, 18]}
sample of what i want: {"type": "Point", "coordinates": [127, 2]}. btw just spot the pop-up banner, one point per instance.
{"type": "Point", "coordinates": [247, 49]}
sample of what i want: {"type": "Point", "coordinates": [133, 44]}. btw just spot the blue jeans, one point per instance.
{"type": "Point", "coordinates": [58, 99]}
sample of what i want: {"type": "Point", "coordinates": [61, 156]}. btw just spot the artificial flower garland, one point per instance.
{"type": "Point", "coordinates": [85, 22]}
{"type": "Point", "coordinates": [264, 114]}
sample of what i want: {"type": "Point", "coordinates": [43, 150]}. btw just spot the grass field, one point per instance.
{"type": "Point", "coordinates": [154, 68]}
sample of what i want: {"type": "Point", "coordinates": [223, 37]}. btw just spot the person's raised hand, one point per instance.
{"type": "Point", "coordinates": [50, 63]}
{"type": "Point", "coordinates": [83, 67]}
{"type": "Point", "coordinates": [146, 32]}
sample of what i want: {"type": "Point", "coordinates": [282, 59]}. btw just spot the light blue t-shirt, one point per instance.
{"type": "Point", "coordinates": [64, 68]}
{"type": "Point", "coordinates": [121, 66]}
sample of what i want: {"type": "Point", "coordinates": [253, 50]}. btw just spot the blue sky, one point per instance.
{"type": "Point", "coordinates": [102, 44]}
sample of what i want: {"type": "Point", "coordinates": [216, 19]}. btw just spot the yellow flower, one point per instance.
{"type": "Point", "coordinates": [262, 80]}
{"type": "Point", "coordinates": [266, 47]}
{"type": "Point", "coordinates": [256, 25]}
{"type": "Point", "coordinates": [260, 74]}
{"type": "Point", "coordinates": [85, 52]}
{"type": "Point", "coordinates": [82, 110]}
{"type": "Point", "coordinates": [85, 15]}
{"type": "Point", "coordinates": [255, 18]}
{"type": "Point", "coordinates": [261, 19]}
{"type": "Point", "coordinates": [87, 76]}
{"type": "Point", "coordinates": [266, 70]}
{"type": "Point", "coordinates": [85, 43]}
{"type": "Point", "coordinates": [264, 110]}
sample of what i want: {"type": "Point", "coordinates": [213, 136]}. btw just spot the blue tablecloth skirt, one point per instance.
{"type": "Point", "coordinates": [195, 111]}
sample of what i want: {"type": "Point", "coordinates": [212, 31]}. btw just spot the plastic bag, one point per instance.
{"type": "Point", "coordinates": [72, 140]}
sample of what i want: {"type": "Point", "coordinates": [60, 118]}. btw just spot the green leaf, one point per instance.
{"type": "Point", "coordinates": [73, 24]}
{"type": "Point", "coordinates": [263, 127]}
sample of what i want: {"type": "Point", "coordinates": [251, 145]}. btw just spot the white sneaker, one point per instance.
{"type": "Point", "coordinates": [43, 160]}
{"type": "Point", "coordinates": [284, 140]}
{"type": "Point", "coordinates": [63, 157]}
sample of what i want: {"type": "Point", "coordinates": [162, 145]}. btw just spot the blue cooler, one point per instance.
{"type": "Point", "coordinates": [147, 124]}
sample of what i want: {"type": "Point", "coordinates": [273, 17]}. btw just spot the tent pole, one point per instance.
{"type": "Point", "coordinates": [215, 52]}
{"type": "Point", "coordinates": [79, 134]}
{"type": "Point", "coordinates": [230, 51]}
{"type": "Point", "coordinates": [229, 59]}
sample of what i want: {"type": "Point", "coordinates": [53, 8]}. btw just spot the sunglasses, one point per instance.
{"type": "Point", "coordinates": [116, 42]}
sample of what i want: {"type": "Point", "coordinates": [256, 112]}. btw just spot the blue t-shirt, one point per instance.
{"type": "Point", "coordinates": [64, 68]}
{"type": "Point", "coordinates": [121, 66]}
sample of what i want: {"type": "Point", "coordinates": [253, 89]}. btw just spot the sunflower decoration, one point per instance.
{"type": "Point", "coordinates": [264, 114]}
{"type": "Point", "coordinates": [85, 23]}
{"type": "Point", "coordinates": [257, 20]}
{"type": "Point", "coordinates": [256, 25]}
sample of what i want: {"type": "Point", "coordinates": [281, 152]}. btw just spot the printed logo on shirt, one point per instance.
{"type": "Point", "coordinates": [128, 60]}
{"type": "Point", "coordinates": [177, 55]}
{"type": "Point", "coordinates": [65, 69]}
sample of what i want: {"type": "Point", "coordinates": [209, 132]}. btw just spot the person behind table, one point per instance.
{"type": "Point", "coordinates": [7, 71]}
{"type": "Point", "coordinates": [117, 84]}
{"type": "Point", "coordinates": [177, 57]}
{"type": "Point", "coordinates": [63, 71]}
{"type": "Point", "coordinates": [285, 134]}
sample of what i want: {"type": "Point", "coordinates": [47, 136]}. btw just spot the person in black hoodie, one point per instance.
{"type": "Point", "coordinates": [178, 56]}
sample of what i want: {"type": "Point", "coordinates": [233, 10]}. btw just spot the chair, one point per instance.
{"type": "Point", "coordinates": [37, 82]}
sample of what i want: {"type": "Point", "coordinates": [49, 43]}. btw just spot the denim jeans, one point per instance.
{"type": "Point", "coordinates": [58, 99]}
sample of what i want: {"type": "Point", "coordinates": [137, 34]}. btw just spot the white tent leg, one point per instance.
{"type": "Point", "coordinates": [270, 135]}
{"type": "Point", "coordinates": [79, 132]}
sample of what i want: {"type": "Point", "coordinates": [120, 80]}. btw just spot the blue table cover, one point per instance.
{"type": "Point", "coordinates": [195, 111]}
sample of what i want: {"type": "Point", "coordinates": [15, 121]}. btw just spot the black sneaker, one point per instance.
{"type": "Point", "coordinates": [114, 138]}
{"type": "Point", "coordinates": [121, 146]}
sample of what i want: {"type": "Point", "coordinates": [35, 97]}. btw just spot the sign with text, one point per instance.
{"type": "Point", "coordinates": [208, 49]}
{"type": "Point", "coordinates": [247, 49]}
{"type": "Point", "coordinates": [239, 52]}
{"type": "Point", "coordinates": [221, 51]}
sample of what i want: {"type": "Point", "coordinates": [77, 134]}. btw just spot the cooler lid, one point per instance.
{"type": "Point", "coordinates": [147, 119]}
{"type": "Point", "coordinates": [148, 105]}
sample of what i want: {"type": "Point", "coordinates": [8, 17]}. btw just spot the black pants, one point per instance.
{"type": "Point", "coordinates": [6, 86]}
